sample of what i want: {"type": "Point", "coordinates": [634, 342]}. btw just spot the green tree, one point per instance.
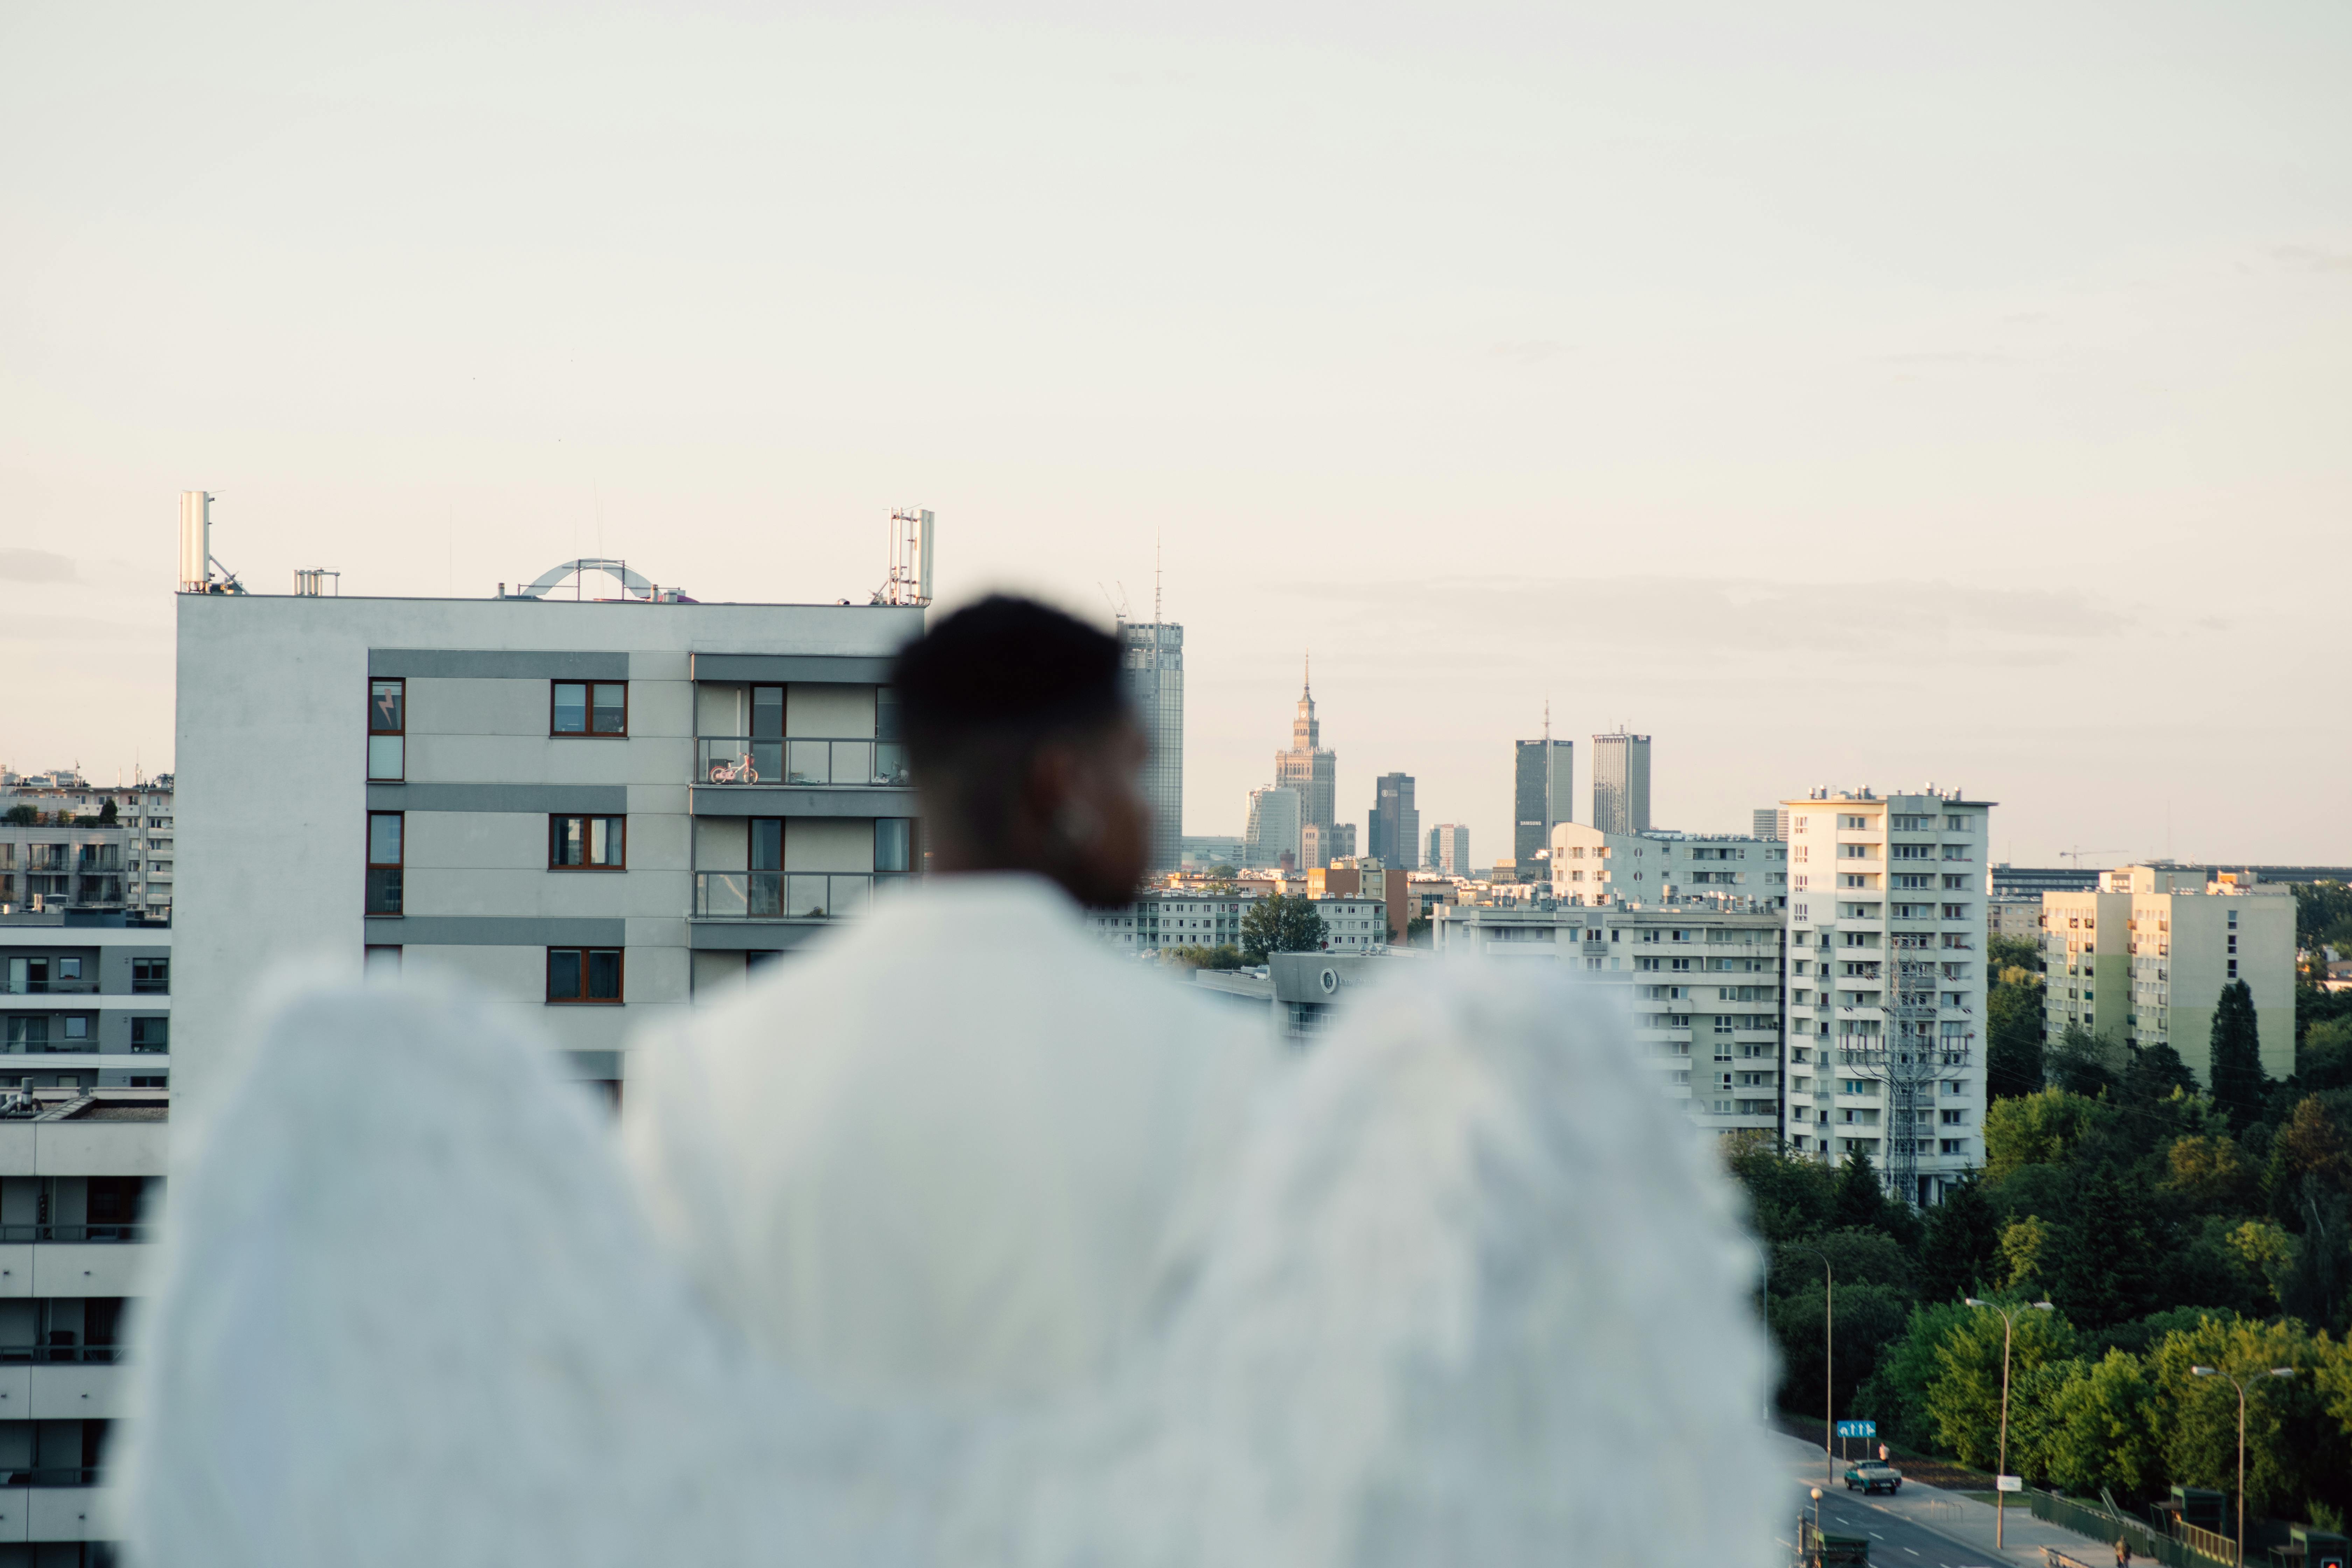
{"type": "Point", "coordinates": [1964, 1398]}
{"type": "Point", "coordinates": [2099, 1427]}
{"type": "Point", "coordinates": [1869, 1317]}
{"type": "Point", "coordinates": [1787, 1196]}
{"type": "Point", "coordinates": [1860, 1255]}
{"type": "Point", "coordinates": [21, 817]}
{"type": "Point", "coordinates": [2105, 1271]}
{"type": "Point", "coordinates": [2238, 1084]}
{"type": "Point", "coordinates": [2323, 914]}
{"type": "Point", "coordinates": [1860, 1200]}
{"type": "Point", "coordinates": [2082, 1063]}
{"type": "Point", "coordinates": [2296, 1449]}
{"type": "Point", "coordinates": [107, 814]}
{"type": "Point", "coordinates": [2040, 1129]}
{"type": "Point", "coordinates": [1225, 955]}
{"type": "Point", "coordinates": [2210, 1175]}
{"type": "Point", "coordinates": [1895, 1395]}
{"type": "Point", "coordinates": [2323, 1058]}
{"type": "Point", "coordinates": [1287, 922]}
{"type": "Point", "coordinates": [1961, 1250]}
{"type": "Point", "coordinates": [2025, 1252]}
{"type": "Point", "coordinates": [2013, 1017]}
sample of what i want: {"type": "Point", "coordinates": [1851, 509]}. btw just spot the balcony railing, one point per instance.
{"type": "Point", "coordinates": [800, 763]}
{"type": "Point", "coordinates": [55, 1475]}
{"type": "Point", "coordinates": [73, 1233]}
{"type": "Point", "coordinates": [790, 895]}
{"type": "Point", "coordinates": [94, 1356]}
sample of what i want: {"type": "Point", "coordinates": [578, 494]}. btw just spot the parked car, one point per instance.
{"type": "Point", "coordinates": [1875, 1477]}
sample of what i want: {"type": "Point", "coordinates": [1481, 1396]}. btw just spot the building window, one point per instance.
{"type": "Point", "coordinates": [150, 976]}
{"type": "Point", "coordinates": [387, 754]}
{"type": "Point", "coordinates": [151, 1034]}
{"type": "Point", "coordinates": [589, 975]}
{"type": "Point", "coordinates": [894, 844]}
{"type": "Point", "coordinates": [383, 863]}
{"type": "Point", "coordinates": [77, 1029]}
{"type": "Point", "coordinates": [588, 708]}
{"type": "Point", "coordinates": [28, 1032]}
{"type": "Point", "coordinates": [380, 962]}
{"type": "Point", "coordinates": [587, 843]}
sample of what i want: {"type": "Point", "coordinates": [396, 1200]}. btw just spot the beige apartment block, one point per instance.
{"type": "Point", "coordinates": [2143, 960]}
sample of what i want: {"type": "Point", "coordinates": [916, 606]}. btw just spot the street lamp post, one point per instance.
{"type": "Point", "coordinates": [2215, 1372]}
{"type": "Point", "coordinates": [1828, 1367]}
{"type": "Point", "coordinates": [2000, 1465]}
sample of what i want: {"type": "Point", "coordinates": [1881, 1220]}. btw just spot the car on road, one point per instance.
{"type": "Point", "coordinates": [1875, 1477]}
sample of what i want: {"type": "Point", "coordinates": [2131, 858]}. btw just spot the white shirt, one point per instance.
{"type": "Point", "coordinates": [956, 1147]}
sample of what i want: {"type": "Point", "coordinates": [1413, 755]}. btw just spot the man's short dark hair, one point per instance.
{"type": "Point", "coordinates": [999, 677]}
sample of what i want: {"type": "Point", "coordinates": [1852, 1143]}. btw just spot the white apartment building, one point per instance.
{"type": "Point", "coordinates": [84, 1002]}
{"type": "Point", "coordinates": [66, 860]}
{"type": "Point", "coordinates": [1592, 865]}
{"type": "Point", "coordinates": [593, 811]}
{"type": "Point", "coordinates": [2143, 960]}
{"type": "Point", "coordinates": [80, 1169]}
{"type": "Point", "coordinates": [1701, 978]}
{"type": "Point", "coordinates": [1886, 983]}
{"type": "Point", "coordinates": [1163, 919]}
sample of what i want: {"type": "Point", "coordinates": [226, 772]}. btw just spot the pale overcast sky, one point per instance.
{"type": "Point", "coordinates": [1841, 394]}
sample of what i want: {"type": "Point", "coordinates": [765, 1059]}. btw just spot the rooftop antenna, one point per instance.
{"type": "Point", "coordinates": [908, 580]}
{"type": "Point", "coordinates": [197, 563]}
{"type": "Point", "coordinates": [1117, 605]}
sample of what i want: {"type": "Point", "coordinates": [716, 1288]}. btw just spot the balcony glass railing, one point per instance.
{"type": "Point", "coordinates": [790, 895]}
{"type": "Point", "coordinates": [73, 1233]}
{"type": "Point", "coordinates": [61, 1349]}
{"type": "Point", "coordinates": [801, 762]}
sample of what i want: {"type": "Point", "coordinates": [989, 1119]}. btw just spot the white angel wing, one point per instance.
{"type": "Point", "coordinates": [406, 1313]}
{"type": "Point", "coordinates": [1481, 1299]}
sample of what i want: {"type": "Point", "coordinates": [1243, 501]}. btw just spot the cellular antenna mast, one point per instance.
{"type": "Point", "coordinates": [909, 578]}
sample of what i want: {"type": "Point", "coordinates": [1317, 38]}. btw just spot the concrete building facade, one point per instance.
{"type": "Point", "coordinates": [2142, 960]}
{"type": "Point", "coordinates": [1620, 782]}
{"type": "Point", "coordinates": [68, 857]}
{"type": "Point", "coordinates": [1589, 866]}
{"type": "Point", "coordinates": [593, 811]}
{"type": "Point", "coordinates": [84, 1002]}
{"type": "Point", "coordinates": [1152, 662]}
{"type": "Point", "coordinates": [1887, 983]}
{"type": "Point", "coordinates": [1449, 849]}
{"type": "Point", "coordinates": [1701, 977]}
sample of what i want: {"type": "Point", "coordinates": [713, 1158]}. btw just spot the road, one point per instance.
{"type": "Point", "coordinates": [1921, 1526]}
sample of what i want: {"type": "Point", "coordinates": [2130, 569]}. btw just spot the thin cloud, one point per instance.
{"type": "Point", "coordinates": [2310, 259]}
{"type": "Point", "coordinates": [35, 566]}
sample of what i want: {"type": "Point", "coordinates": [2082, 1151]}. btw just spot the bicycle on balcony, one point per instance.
{"type": "Point", "coordinates": [740, 770]}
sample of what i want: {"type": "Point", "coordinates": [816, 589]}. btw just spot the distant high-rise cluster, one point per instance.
{"type": "Point", "coordinates": [1152, 653]}
{"type": "Point", "coordinates": [1272, 837]}
{"type": "Point", "coordinates": [1620, 782]}
{"type": "Point", "coordinates": [1449, 849]}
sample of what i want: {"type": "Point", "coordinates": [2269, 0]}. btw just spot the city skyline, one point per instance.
{"type": "Point", "coordinates": [1305, 323]}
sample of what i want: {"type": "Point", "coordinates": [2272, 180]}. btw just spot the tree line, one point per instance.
{"type": "Point", "coordinates": [2170, 1223]}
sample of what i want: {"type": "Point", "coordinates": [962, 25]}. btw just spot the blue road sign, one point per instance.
{"type": "Point", "coordinates": [1857, 1428]}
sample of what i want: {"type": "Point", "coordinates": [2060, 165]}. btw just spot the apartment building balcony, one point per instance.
{"type": "Point", "coordinates": [794, 896]}
{"type": "Point", "coordinates": [802, 763]}
{"type": "Point", "coordinates": [86, 1385]}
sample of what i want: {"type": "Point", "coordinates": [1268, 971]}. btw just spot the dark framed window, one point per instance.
{"type": "Point", "coordinates": [585, 975]}
{"type": "Point", "coordinates": [587, 843]}
{"type": "Point", "coordinates": [150, 976]}
{"type": "Point", "coordinates": [151, 1034]}
{"type": "Point", "coordinates": [387, 757]}
{"type": "Point", "coordinates": [894, 844]}
{"type": "Point", "coordinates": [384, 851]}
{"type": "Point", "coordinates": [588, 708]}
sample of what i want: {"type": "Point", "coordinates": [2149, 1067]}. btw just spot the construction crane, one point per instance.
{"type": "Point", "coordinates": [2076, 855]}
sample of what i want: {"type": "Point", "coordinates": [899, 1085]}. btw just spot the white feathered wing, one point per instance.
{"type": "Point", "coordinates": [1478, 1299]}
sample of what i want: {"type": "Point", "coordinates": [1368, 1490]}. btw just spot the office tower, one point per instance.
{"type": "Point", "coordinates": [1620, 782]}
{"type": "Point", "coordinates": [1306, 767]}
{"type": "Point", "coordinates": [1449, 849]}
{"type": "Point", "coordinates": [1275, 820]}
{"type": "Point", "coordinates": [1887, 983]}
{"type": "Point", "coordinates": [2143, 960]}
{"type": "Point", "coordinates": [1318, 846]}
{"type": "Point", "coordinates": [1395, 827]}
{"type": "Point", "coordinates": [1543, 776]}
{"type": "Point", "coordinates": [1153, 654]}
{"type": "Point", "coordinates": [1771, 822]}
